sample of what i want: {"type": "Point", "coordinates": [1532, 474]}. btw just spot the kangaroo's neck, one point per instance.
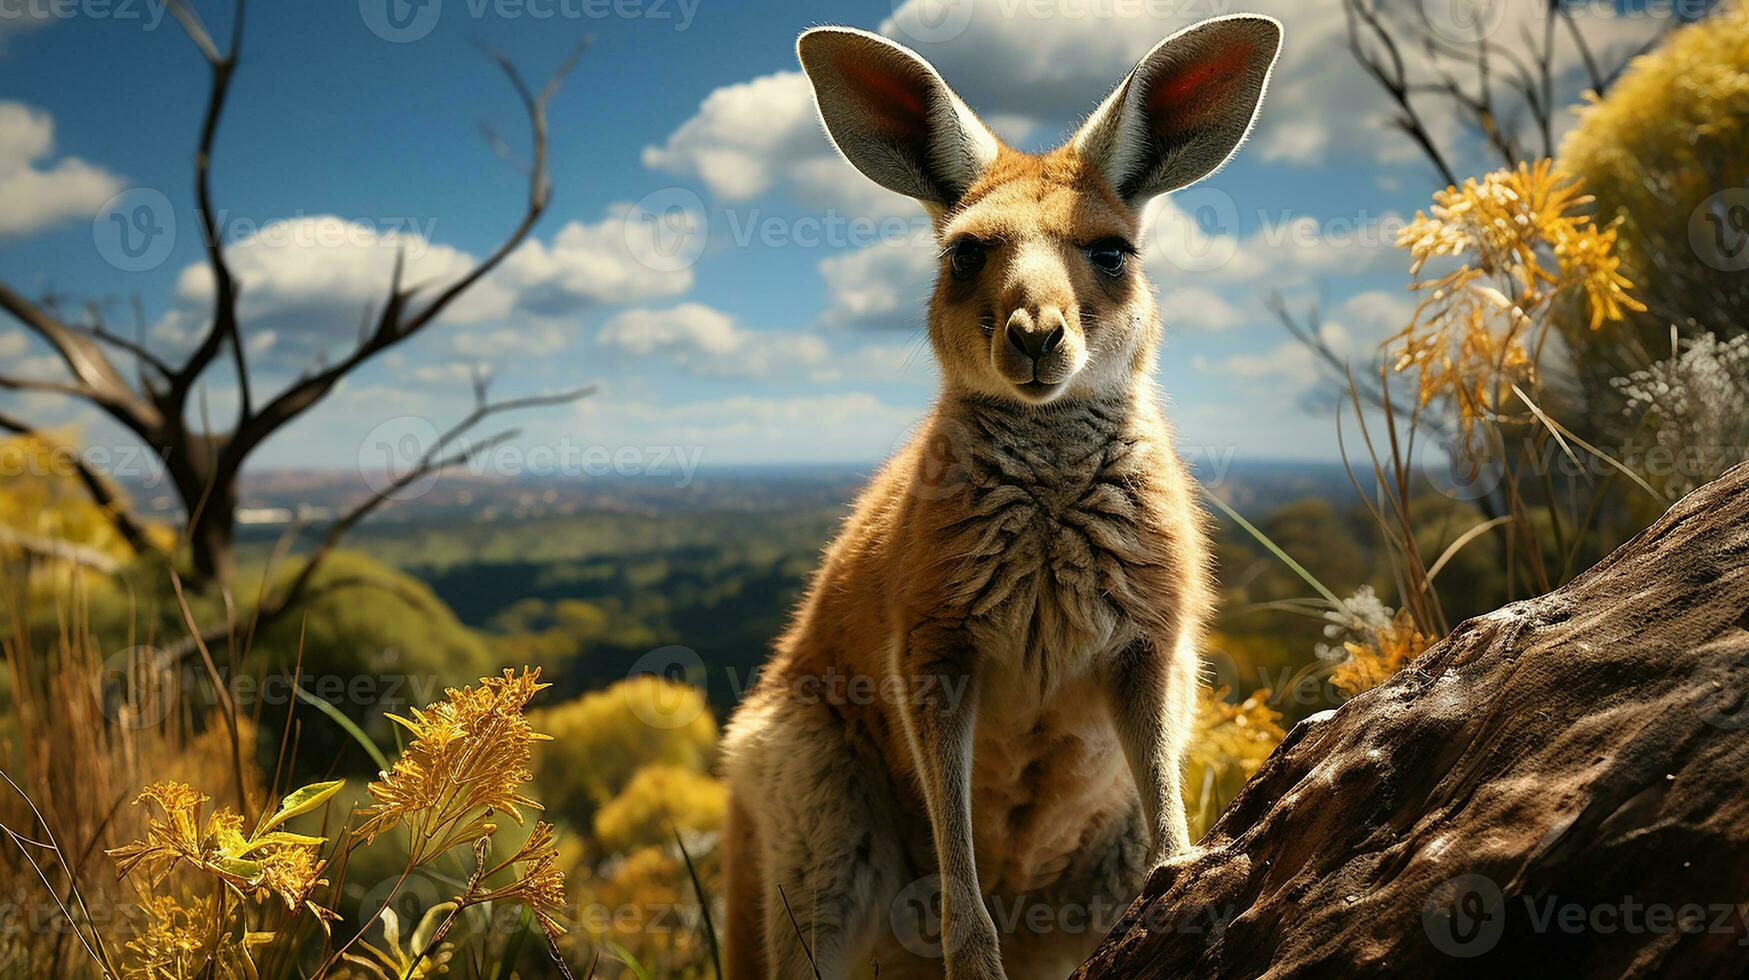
{"type": "Point", "coordinates": [1066, 442]}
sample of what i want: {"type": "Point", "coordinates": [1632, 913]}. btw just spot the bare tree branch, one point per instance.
{"type": "Point", "coordinates": [1393, 76]}
{"type": "Point", "coordinates": [56, 549]}
{"type": "Point", "coordinates": [299, 591]}
{"type": "Point", "coordinates": [205, 464]}
{"type": "Point", "coordinates": [1339, 368]}
{"type": "Point", "coordinates": [96, 376]}
{"type": "Point", "coordinates": [1512, 86]}
{"type": "Point", "coordinates": [225, 328]}
{"type": "Point", "coordinates": [395, 324]}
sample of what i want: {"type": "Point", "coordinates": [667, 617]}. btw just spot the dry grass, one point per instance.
{"type": "Point", "coordinates": [144, 843]}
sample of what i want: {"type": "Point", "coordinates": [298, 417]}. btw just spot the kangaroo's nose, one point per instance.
{"type": "Point", "coordinates": [1035, 337]}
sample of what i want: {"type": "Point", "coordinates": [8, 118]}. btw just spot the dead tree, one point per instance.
{"type": "Point", "coordinates": [205, 461]}
{"type": "Point", "coordinates": [1583, 752]}
{"type": "Point", "coordinates": [1505, 94]}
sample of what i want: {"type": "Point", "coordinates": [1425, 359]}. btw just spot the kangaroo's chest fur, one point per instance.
{"type": "Point", "coordinates": [1062, 538]}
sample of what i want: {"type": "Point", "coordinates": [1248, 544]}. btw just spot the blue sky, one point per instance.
{"type": "Point", "coordinates": [737, 291]}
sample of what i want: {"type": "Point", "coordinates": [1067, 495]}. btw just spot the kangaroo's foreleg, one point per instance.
{"type": "Point", "coordinates": [1152, 691]}
{"type": "Point", "coordinates": [940, 729]}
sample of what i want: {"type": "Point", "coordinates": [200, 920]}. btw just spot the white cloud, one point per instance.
{"type": "Point", "coordinates": [36, 193]}
{"type": "Point", "coordinates": [309, 282]}
{"type": "Point", "coordinates": [1377, 313]}
{"type": "Point", "coordinates": [1198, 308]}
{"type": "Point", "coordinates": [1289, 360]}
{"type": "Point", "coordinates": [615, 260]}
{"type": "Point", "coordinates": [533, 338]}
{"type": "Point", "coordinates": [750, 136]}
{"type": "Point", "coordinates": [906, 363]}
{"type": "Point", "coordinates": [1193, 234]}
{"type": "Point", "coordinates": [881, 286]}
{"type": "Point", "coordinates": [1033, 67]}
{"type": "Point", "coordinates": [708, 342]}
{"type": "Point", "coordinates": [13, 343]}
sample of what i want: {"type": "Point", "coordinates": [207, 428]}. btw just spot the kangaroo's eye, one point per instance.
{"type": "Point", "coordinates": [965, 257]}
{"type": "Point", "coordinates": [1110, 255]}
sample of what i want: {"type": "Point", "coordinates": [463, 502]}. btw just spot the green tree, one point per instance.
{"type": "Point", "coordinates": [659, 800]}
{"type": "Point", "coordinates": [609, 735]}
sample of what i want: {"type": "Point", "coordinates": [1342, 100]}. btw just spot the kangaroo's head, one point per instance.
{"type": "Point", "coordinates": [1038, 294]}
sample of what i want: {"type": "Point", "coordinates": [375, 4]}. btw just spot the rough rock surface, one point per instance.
{"type": "Point", "coordinates": [1558, 789]}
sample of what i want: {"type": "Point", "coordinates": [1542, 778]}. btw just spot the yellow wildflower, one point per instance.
{"type": "Point", "coordinates": [468, 759]}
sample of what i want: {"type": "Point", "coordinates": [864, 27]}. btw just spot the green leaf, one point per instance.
{"type": "Point", "coordinates": [239, 868]}
{"type": "Point", "coordinates": [1274, 548]}
{"type": "Point", "coordinates": [301, 801]}
{"type": "Point", "coordinates": [625, 956]}
{"type": "Point", "coordinates": [280, 837]}
{"type": "Point", "coordinates": [347, 724]}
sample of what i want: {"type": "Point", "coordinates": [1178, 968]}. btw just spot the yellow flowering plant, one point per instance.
{"type": "Point", "coordinates": [1524, 242]}
{"type": "Point", "coordinates": [464, 768]}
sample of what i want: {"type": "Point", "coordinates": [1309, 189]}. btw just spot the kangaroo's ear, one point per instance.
{"type": "Point", "coordinates": [1184, 110]}
{"type": "Point", "coordinates": [893, 117]}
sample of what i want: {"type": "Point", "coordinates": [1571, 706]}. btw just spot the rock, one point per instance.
{"type": "Point", "coordinates": [1559, 788]}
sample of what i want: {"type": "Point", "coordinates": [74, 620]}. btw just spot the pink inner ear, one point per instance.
{"type": "Point", "coordinates": [897, 103]}
{"type": "Point", "coordinates": [1179, 98]}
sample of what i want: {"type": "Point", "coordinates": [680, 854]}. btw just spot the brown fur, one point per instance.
{"type": "Point", "coordinates": [1041, 549]}
{"type": "Point", "coordinates": [981, 707]}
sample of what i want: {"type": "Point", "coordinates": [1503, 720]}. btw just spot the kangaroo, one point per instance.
{"type": "Point", "coordinates": [981, 708]}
